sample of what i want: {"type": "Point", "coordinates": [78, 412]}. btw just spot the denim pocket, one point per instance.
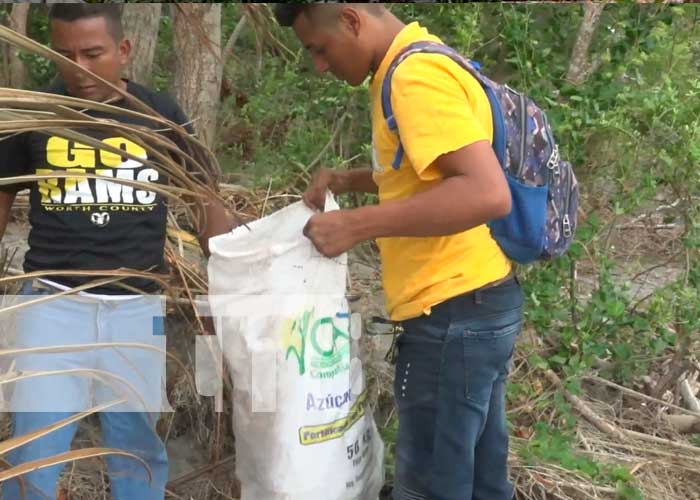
{"type": "Point", "coordinates": [492, 334]}
{"type": "Point", "coordinates": [487, 353]}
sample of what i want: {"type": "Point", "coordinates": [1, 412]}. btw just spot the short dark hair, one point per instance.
{"type": "Point", "coordinates": [287, 13]}
{"type": "Point", "coordinates": [111, 12]}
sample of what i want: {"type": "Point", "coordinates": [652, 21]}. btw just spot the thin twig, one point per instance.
{"type": "Point", "coordinates": [639, 395]}
{"type": "Point", "coordinates": [609, 428]}
{"type": "Point", "coordinates": [173, 484]}
{"type": "Point", "coordinates": [655, 266]}
{"type": "Point", "coordinates": [331, 141]}
{"type": "Point", "coordinates": [583, 409]}
{"type": "Point", "coordinates": [228, 48]}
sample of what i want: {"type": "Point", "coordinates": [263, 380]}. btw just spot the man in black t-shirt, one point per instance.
{"type": "Point", "coordinates": [91, 224]}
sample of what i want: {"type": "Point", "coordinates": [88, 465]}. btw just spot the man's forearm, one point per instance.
{"type": "Point", "coordinates": [453, 206]}
{"type": "Point", "coordinates": [357, 180]}
{"type": "Point", "coordinates": [219, 221]}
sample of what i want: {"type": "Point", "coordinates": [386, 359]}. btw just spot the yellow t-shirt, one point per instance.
{"type": "Point", "coordinates": [439, 108]}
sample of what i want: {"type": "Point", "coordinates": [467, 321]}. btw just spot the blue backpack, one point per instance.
{"type": "Point", "coordinates": [543, 187]}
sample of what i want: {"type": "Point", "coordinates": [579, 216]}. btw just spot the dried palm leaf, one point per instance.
{"type": "Point", "coordinates": [69, 456]}
{"type": "Point", "coordinates": [10, 444]}
{"type": "Point", "coordinates": [114, 381]}
{"type": "Point", "coordinates": [64, 116]}
{"type": "Point", "coordinates": [102, 345]}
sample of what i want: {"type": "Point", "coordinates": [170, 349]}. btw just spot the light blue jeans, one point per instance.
{"type": "Point", "coordinates": [135, 374]}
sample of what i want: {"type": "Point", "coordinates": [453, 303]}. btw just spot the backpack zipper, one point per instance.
{"type": "Point", "coordinates": [566, 221]}
{"type": "Point", "coordinates": [554, 157]}
{"type": "Point", "coordinates": [523, 134]}
{"type": "Point", "coordinates": [553, 165]}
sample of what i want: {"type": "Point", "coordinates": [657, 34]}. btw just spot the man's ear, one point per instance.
{"type": "Point", "coordinates": [350, 19]}
{"type": "Point", "coordinates": [124, 51]}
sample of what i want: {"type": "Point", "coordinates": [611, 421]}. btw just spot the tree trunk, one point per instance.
{"type": "Point", "coordinates": [141, 23]}
{"type": "Point", "coordinates": [198, 72]}
{"type": "Point", "coordinates": [15, 71]}
{"type": "Point", "coordinates": [580, 67]}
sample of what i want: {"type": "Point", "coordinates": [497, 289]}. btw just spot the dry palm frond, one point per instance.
{"type": "Point", "coordinates": [10, 444]}
{"type": "Point", "coordinates": [190, 166]}
{"type": "Point", "coordinates": [182, 182]}
{"type": "Point", "coordinates": [23, 42]}
{"type": "Point", "coordinates": [263, 20]}
{"type": "Point", "coordinates": [90, 347]}
{"type": "Point", "coordinates": [117, 276]}
{"type": "Point", "coordinates": [111, 379]}
{"type": "Point", "coordinates": [38, 111]}
{"type": "Point", "coordinates": [69, 456]}
{"type": "Point", "coordinates": [20, 41]}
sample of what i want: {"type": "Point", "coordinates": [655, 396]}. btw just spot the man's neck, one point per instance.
{"type": "Point", "coordinates": [391, 28]}
{"type": "Point", "coordinates": [116, 96]}
{"type": "Point", "coordinates": [113, 97]}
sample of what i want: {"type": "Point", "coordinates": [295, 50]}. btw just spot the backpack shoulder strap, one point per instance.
{"type": "Point", "coordinates": [428, 47]}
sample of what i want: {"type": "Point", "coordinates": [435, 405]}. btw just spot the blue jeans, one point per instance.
{"type": "Point", "coordinates": [450, 391]}
{"type": "Point", "coordinates": [42, 401]}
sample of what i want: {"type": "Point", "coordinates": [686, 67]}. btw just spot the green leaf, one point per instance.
{"type": "Point", "coordinates": [557, 359]}
{"type": "Point", "coordinates": [537, 361]}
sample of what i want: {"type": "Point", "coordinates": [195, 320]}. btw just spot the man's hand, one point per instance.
{"type": "Point", "coordinates": [6, 200]}
{"type": "Point", "coordinates": [218, 221]}
{"type": "Point", "coordinates": [333, 233]}
{"type": "Point", "coordinates": [323, 179]}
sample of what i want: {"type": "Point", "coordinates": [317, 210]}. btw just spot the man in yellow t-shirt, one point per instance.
{"type": "Point", "coordinates": [446, 279]}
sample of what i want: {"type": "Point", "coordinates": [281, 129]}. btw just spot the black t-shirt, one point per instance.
{"type": "Point", "coordinates": [93, 224]}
